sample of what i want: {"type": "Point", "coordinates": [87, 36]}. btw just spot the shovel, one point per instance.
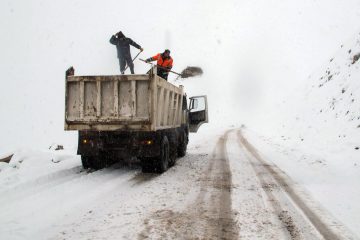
{"type": "Point", "coordinates": [127, 66]}
{"type": "Point", "coordinates": [187, 72]}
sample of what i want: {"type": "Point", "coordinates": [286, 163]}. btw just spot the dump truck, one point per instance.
{"type": "Point", "coordinates": [126, 116]}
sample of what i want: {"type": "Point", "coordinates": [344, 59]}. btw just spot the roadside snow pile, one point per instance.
{"type": "Point", "coordinates": [26, 165]}
{"type": "Point", "coordinates": [3, 165]}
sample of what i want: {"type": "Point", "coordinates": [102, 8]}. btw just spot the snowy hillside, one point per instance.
{"type": "Point", "coordinates": [331, 105]}
{"type": "Point", "coordinates": [316, 137]}
{"type": "Point", "coordinates": [326, 107]}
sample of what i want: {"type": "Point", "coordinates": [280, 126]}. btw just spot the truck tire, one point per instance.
{"type": "Point", "coordinates": [172, 158]}
{"type": "Point", "coordinates": [162, 163]}
{"type": "Point", "coordinates": [85, 162]}
{"type": "Point", "coordinates": [173, 150]}
{"type": "Point", "coordinates": [94, 162]}
{"type": "Point", "coordinates": [183, 145]}
{"type": "Point", "coordinates": [147, 165]}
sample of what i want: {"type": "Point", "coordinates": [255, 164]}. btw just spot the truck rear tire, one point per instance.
{"type": "Point", "coordinates": [94, 162]}
{"type": "Point", "coordinates": [173, 150]}
{"type": "Point", "coordinates": [162, 163]}
{"type": "Point", "coordinates": [147, 165]}
{"type": "Point", "coordinates": [183, 145]}
{"type": "Point", "coordinates": [85, 162]}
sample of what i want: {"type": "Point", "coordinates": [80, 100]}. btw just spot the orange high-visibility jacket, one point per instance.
{"type": "Point", "coordinates": [168, 62]}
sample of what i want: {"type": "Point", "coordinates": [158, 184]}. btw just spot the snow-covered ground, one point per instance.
{"type": "Point", "coordinates": [330, 178]}
{"type": "Point", "coordinates": [222, 189]}
{"type": "Point", "coordinates": [48, 195]}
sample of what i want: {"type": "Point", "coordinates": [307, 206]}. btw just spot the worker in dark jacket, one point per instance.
{"type": "Point", "coordinates": [123, 50]}
{"type": "Point", "coordinates": [164, 63]}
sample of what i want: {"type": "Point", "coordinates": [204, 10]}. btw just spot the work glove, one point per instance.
{"type": "Point", "coordinates": [148, 60]}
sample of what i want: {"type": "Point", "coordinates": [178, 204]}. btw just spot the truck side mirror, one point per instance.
{"type": "Point", "coordinates": [198, 112]}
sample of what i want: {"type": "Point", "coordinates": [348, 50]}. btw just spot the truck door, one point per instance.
{"type": "Point", "coordinates": [198, 112]}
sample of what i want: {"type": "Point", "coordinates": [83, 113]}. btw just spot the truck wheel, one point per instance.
{"type": "Point", "coordinates": [173, 151]}
{"type": "Point", "coordinates": [172, 158]}
{"type": "Point", "coordinates": [183, 145]}
{"type": "Point", "coordinates": [85, 162]}
{"type": "Point", "coordinates": [94, 162]}
{"type": "Point", "coordinates": [147, 165]}
{"type": "Point", "coordinates": [162, 162]}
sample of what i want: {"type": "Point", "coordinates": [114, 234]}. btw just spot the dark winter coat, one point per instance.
{"type": "Point", "coordinates": [123, 46]}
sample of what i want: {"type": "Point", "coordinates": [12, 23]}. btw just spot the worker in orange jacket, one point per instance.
{"type": "Point", "coordinates": [164, 63]}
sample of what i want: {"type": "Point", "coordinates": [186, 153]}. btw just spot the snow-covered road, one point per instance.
{"type": "Point", "coordinates": [222, 189]}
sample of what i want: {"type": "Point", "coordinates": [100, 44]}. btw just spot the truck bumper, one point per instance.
{"type": "Point", "coordinates": [118, 144]}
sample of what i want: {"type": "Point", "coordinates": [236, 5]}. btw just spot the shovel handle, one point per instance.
{"type": "Point", "coordinates": [162, 67]}
{"type": "Point", "coordinates": [127, 66]}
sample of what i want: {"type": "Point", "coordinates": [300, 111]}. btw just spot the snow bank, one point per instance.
{"type": "Point", "coordinates": [27, 165]}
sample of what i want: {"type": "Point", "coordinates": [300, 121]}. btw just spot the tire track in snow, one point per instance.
{"type": "Point", "coordinates": [218, 211]}
{"type": "Point", "coordinates": [326, 226]}
{"type": "Point", "coordinates": [210, 215]}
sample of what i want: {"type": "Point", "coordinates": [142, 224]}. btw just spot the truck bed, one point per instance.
{"type": "Point", "coordinates": [143, 102]}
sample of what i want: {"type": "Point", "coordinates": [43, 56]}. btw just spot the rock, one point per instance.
{"type": "Point", "coordinates": [356, 58]}
{"type": "Point", "coordinates": [56, 147]}
{"type": "Point", "coordinates": [6, 159]}
{"type": "Point", "coordinates": [59, 147]}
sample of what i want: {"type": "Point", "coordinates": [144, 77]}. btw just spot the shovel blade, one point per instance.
{"type": "Point", "coordinates": [191, 71]}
